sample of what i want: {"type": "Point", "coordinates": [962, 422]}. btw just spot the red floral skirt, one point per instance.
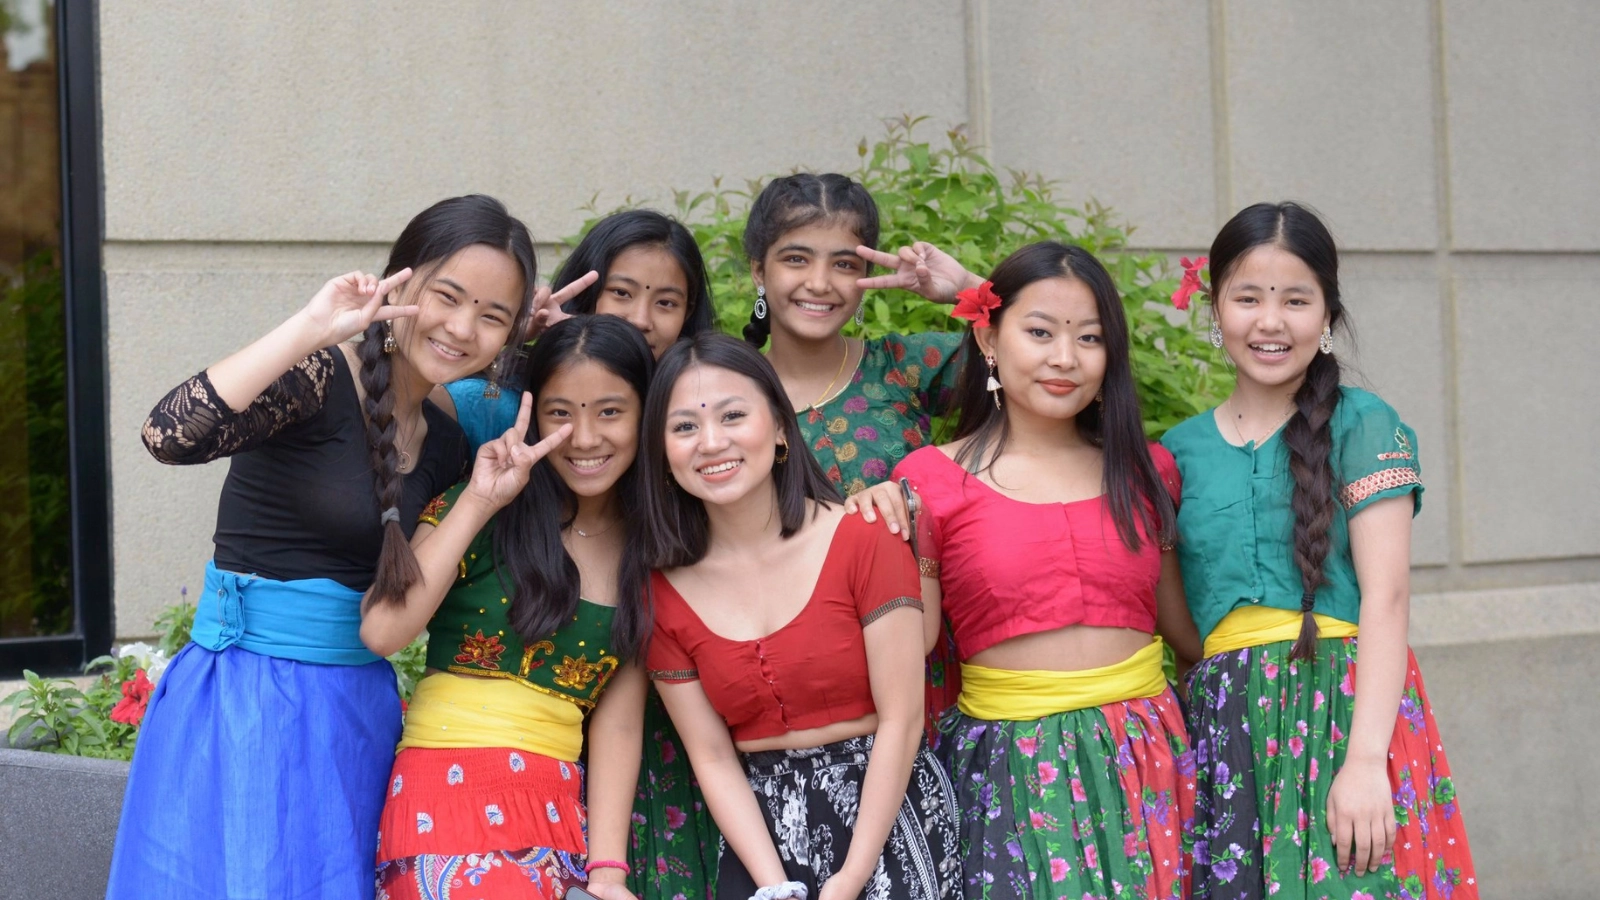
{"type": "Point", "coordinates": [481, 823]}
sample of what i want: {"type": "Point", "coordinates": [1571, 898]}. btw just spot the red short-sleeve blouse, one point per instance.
{"type": "Point", "coordinates": [811, 672]}
{"type": "Point", "coordinates": [1008, 568]}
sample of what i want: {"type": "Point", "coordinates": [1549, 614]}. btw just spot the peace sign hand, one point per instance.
{"type": "Point", "coordinates": [547, 306]}
{"type": "Point", "coordinates": [348, 304]}
{"type": "Point", "coordinates": [503, 464]}
{"type": "Point", "coordinates": [920, 268]}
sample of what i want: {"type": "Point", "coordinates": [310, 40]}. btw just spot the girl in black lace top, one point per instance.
{"type": "Point", "coordinates": [261, 766]}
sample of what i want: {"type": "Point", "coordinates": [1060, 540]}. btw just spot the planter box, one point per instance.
{"type": "Point", "coordinates": [58, 821]}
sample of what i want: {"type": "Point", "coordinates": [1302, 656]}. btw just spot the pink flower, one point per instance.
{"type": "Point", "coordinates": [1296, 746]}
{"type": "Point", "coordinates": [1313, 768]}
{"type": "Point", "coordinates": [1130, 845]}
{"type": "Point", "coordinates": [1266, 845]}
{"type": "Point", "coordinates": [1091, 856]}
{"type": "Point", "coordinates": [1028, 746]}
{"type": "Point", "coordinates": [1317, 699]}
{"type": "Point", "coordinates": [135, 698]}
{"type": "Point", "coordinates": [675, 818]}
{"type": "Point", "coordinates": [1361, 895]}
{"type": "Point", "coordinates": [1191, 283]}
{"type": "Point", "coordinates": [1269, 669]}
{"type": "Point", "coordinates": [668, 752]}
{"type": "Point", "coordinates": [975, 304]}
{"type": "Point", "coordinates": [1319, 869]}
{"type": "Point", "coordinates": [1272, 747]}
{"type": "Point", "coordinates": [1078, 794]}
{"type": "Point", "coordinates": [1047, 773]}
{"type": "Point", "coordinates": [1058, 869]}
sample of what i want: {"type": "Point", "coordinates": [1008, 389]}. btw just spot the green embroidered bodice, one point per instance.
{"type": "Point", "coordinates": [471, 633]}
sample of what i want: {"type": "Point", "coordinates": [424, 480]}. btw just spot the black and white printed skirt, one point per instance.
{"type": "Point", "coordinates": [810, 799]}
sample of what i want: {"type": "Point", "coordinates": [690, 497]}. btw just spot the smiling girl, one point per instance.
{"type": "Point", "coordinates": [788, 646]}
{"type": "Point", "coordinates": [260, 766]}
{"type": "Point", "coordinates": [1045, 536]}
{"type": "Point", "coordinates": [535, 609]}
{"type": "Point", "coordinates": [1319, 774]}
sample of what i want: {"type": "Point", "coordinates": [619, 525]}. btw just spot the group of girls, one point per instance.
{"type": "Point", "coordinates": [681, 595]}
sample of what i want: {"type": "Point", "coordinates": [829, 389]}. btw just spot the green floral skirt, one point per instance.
{"type": "Point", "coordinates": [673, 854]}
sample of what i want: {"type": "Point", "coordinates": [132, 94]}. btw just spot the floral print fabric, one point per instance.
{"type": "Point", "coordinates": [810, 800]}
{"type": "Point", "coordinates": [673, 851]}
{"type": "Point", "coordinates": [1090, 803]}
{"type": "Point", "coordinates": [1269, 736]}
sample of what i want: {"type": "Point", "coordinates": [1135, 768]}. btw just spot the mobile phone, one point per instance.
{"type": "Point", "coordinates": [913, 506]}
{"type": "Point", "coordinates": [578, 893]}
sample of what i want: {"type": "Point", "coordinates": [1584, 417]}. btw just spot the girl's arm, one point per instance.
{"type": "Point", "coordinates": [1173, 621]}
{"type": "Point", "coordinates": [615, 743]}
{"type": "Point", "coordinates": [716, 766]}
{"type": "Point", "coordinates": [894, 666]}
{"type": "Point", "coordinates": [341, 310]}
{"type": "Point", "coordinates": [1360, 802]}
{"type": "Point", "coordinates": [500, 473]}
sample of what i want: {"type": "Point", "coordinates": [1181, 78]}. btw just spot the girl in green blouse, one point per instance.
{"type": "Point", "coordinates": [1315, 778]}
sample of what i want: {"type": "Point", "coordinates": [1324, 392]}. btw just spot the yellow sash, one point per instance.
{"type": "Point", "coordinates": [1017, 695]}
{"type": "Point", "coordinates": [449, 711]}
{"type": "Point", "coordinates": [1252, 626]}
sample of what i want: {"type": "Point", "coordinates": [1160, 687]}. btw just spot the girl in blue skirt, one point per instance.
{"type": "Point", "coordinates": [261, 767]}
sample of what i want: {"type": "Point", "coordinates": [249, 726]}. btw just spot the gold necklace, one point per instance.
{"type": "Point", "coordinates": [826, 392]}
{"type": "Point", "coordinates": [1240, 435]}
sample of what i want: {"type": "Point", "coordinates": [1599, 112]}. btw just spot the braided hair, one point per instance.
{"type": "Point", "coordinates": [1309, 432]}
{"type": "Point", "coordinates": [436, 234]}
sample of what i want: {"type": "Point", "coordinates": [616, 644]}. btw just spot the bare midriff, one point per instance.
{"type": "Point", "coordinates": [1070, 649]}
{"type": "Point", "coordinates": [813, 737]}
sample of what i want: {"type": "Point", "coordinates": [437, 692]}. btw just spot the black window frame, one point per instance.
{"type": "Point", "coordinates": [83, 283]}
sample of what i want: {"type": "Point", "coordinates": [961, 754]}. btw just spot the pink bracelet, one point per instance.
{"type": "Point", "coordinates": [606, 864]}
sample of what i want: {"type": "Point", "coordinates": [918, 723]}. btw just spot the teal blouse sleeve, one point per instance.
{"type": "Point", "coordinates": [1377, 453]}
{"type": "Point", "coordinates": [482, 418]}
{"type": "Point", "coordinates": [931, 364]}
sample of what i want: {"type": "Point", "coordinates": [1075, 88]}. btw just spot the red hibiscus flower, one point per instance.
{"type": "Point", "coordinates": [975, 304]}
{"type": "Point", "coordinates": [135, 697]}
{"type": "Point", "coordinates": [1191, 283]}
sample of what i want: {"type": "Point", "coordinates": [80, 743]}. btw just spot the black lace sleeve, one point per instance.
{"type": "Point", "coordinates": [193, 425]}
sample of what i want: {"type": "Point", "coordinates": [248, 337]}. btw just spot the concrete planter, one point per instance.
{"type": "Point", "coordinates": [58, 821]}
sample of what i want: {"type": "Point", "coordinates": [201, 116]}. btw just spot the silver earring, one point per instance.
{"type": "Point", "coordinates": [761, 303]}
{"type": "Point", "coordinates": [491, 391]}
{"type": "Point", "coordinates": [1325, 343]}
{"type": "Point", "coordinates": [993, 385]}
{"type": "Point", "coordinates": [861, 315]}
{"type": "Point", "coordinates": [389, 345]}
{"type": "Point", "coordinates": [1216, 334]}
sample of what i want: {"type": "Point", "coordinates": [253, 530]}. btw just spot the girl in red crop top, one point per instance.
{"type": "Point", "coordinates": [788, 645]}
{"type": "Point", "coordinates": [1045, 533]}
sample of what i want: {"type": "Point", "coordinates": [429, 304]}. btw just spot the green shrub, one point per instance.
{"type": "Point", "coordinates": [951, 196]}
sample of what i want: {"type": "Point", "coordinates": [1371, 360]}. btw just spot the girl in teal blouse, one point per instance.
{"type": "Point", "coordinates": [1315, 778]}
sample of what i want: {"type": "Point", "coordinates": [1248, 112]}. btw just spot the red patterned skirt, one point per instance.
{"type": "Point", "coordinates": [481, 823]}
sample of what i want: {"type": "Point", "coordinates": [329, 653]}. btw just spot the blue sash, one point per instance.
{"type": "Point", "coordinates": [313, 620]}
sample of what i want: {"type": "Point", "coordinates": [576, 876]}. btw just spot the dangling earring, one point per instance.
{"type": "Point", "coordinates": [784, 450]}
{"type": "Point", "coordinates": [761, 303]}
{"type": "Point", "coordinates": [1216, 333]}
{"type": "Point", "coordinates": [1100, 395]}
{"type": "Point", "coordinates": [861, 315]}
{"type": "Point", "coordinates": [993, 385]}
{"type": "Point", "coordinates": [1325, 343]}
{"type": "Point", "coordinates": [491, 391]}
{"type": "Point", "coordinates": [389, 346]}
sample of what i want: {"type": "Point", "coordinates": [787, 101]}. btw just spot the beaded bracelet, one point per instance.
{"type": "Point", "coordinates": [788, 890]}
{"type": "Point", "coordinates": [606, 864]}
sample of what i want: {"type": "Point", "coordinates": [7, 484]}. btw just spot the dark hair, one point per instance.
{"type": "Point", "coordinates": [677, 529]}
{"type": "Point", "coordinates": [622, 231]}
{"type": "Point", "coordinates": [1133, 488]}
{"type": "Point", "coordinates": [534, 567]}
{"type": "Point", "coordinates": [433, 236]}
{"type": "Point", "coordinates": [1308, 433]}
{"type": "Point", "coordinates": [795, 201]}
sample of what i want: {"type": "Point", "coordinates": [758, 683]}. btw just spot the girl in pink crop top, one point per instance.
{"type": "Point", "coordinates": [788, 645]}
{"type": "Point", "coordinates": [1045, 533]}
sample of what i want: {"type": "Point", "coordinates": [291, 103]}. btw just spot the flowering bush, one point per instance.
{"type": "Point", "coordinates": [951, 196]}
